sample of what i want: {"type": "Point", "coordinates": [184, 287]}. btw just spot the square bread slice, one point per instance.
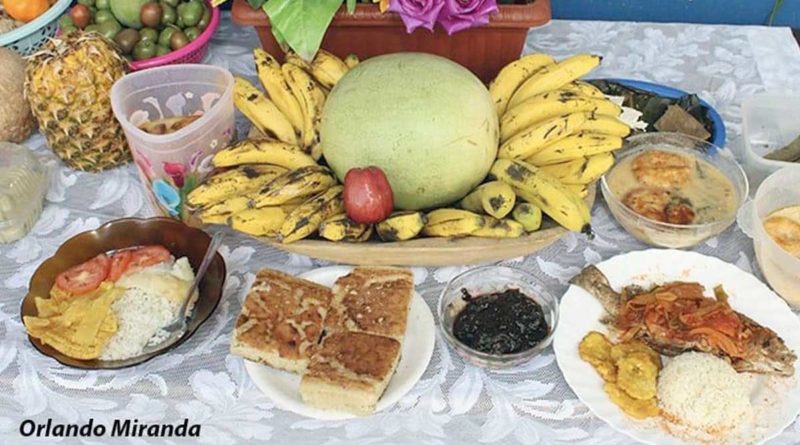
{"type": "Point", "coordinates": [374, 300]}
{"type": "Point", "coordinates": [281, 321]}
{"type": "Point", "coordinates": [350, 372]}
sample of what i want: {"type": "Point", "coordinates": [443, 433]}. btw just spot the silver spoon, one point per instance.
{"type": "Point", "coordinates": [177, 329]}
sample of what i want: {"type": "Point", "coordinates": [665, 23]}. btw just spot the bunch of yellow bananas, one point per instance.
{"type": "Point", "coordinates": [557, 135]}
{"type": "Point", "coordinates": [273, 186]}
{"type": "Point", "coordinates": [291, 109]}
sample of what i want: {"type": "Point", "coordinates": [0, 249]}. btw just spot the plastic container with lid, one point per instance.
{"type": "Point", "coordinates": [780, 268]}
{"type": "Point", "coordinates": [23, 185]}
{"type": "Point", "coordinates": [769, 122]}
{"type": "Point", "coordinates": [171, 165]}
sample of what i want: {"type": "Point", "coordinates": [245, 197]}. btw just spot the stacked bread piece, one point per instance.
{"type": "Point", "coordinates": [345, 342]}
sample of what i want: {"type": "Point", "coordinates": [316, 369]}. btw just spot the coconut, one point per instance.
{"type": "Point", "coordinates": [16, 120]}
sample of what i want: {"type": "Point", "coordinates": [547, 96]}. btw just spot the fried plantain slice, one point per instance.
{"type": "Point", "coordinates": [639, 409]}
{"type": "Point", "coordinates": [620, 350]}
{"type": "Point", "coordinates": [637, 375]}
{"type": "Point", "coordinates": [595, 348]}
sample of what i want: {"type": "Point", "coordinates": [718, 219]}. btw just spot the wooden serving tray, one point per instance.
{"type": "Point", "coordinates": [430, 251]}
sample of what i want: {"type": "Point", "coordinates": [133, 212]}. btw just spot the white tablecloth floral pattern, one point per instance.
{"type": "Point", "coordinates": [452, 403]}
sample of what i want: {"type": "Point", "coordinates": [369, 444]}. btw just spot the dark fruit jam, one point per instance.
{"type": "Point", "coordinates": [500, 323]}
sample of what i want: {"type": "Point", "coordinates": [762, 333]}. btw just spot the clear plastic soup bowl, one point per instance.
{"type": "Point", "coordinates": [781, 269]}
{"type": "Point", "coordinates": [171, 165]}
{"type": "Point", "coordinates": [485, 280]}
{"type": "Point", "coordinates": [663, 234]}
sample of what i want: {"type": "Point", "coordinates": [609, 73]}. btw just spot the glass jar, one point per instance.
{"type": "Point", "coordinates": [23, 185]}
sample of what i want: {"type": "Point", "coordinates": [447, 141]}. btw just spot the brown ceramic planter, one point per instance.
{"type": "Point", "coordinates": [369, 33]}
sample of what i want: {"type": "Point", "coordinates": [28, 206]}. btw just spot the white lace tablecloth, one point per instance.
{"type": "Point", "coordinates": [452, 403]}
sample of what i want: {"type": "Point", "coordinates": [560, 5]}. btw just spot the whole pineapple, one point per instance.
{"type": "Point", "coordinates": [68, 85]}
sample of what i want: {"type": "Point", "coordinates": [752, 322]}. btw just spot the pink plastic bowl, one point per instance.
{"type": "Point", "coordinates": [194, 52]}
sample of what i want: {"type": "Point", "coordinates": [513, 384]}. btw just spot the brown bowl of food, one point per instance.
{"type": "Point", "coordinates": [672, 190]}
{"type": "Point", "coordinates": [105, 296]}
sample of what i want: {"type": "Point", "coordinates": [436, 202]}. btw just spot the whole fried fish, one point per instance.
{"type": "Point", "coordinates": [676, 317]}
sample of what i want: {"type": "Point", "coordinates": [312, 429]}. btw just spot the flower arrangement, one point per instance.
{"type": "Point", "coordinates": [300, 25]}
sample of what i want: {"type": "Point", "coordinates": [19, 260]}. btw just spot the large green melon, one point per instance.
{"type": "Point", "coordinates": [428, 122]}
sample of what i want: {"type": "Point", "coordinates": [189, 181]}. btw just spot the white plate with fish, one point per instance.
{"type": "Point", "coordinates": [768, 368]}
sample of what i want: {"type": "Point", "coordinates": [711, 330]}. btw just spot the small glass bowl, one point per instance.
{"type": "Point", "coordinates": [490, 279]}
{"type": "Point", "coordinates": [677, 236]}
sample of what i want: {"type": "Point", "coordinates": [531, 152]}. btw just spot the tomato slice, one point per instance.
{"type": "Point", "coordinates": [120, 262]}
{"type": "Point", "coordinates": [147, 256]}
{"type": "Point", "coordinates": [84, 277]}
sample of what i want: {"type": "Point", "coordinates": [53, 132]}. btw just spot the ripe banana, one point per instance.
{"type": "Point", "coordinates": [263, 151]}
{"type": "Point", "coordinates": [266, 221]}
{"type": "Point", "coordinates": [548, 106]}
{"type": "Point", "coordinates": [351, 60]}
{"type": "Point", "coordinates": [242, 179]}
{"type": "Point", "coordinates": [555, 76]}
{"type": "Point", "coordinates": [584, 170]}
{"type": "Point", "coordinates": [606, 125]}
{"type": "Point", "coordinates": [528, 215]}
{"type": "Point", "coordinates": [293, 185]}
{"type": "Point", "coordinates": [584, 89]}
{"type": "Point", "coordinates": [531, 140]}
{"type": "Point", "coordinates": [493, 198]}
{"type": "Point", "coordinates": [500, 228]}
{"type": "Point", "coordinates": [452, 223]}
{"type": "Point", "coordinates": [341, 228]}
{"type": "Point", "coordinates": [328, 69]}
{"type": "Point", "coordinates": [401, 226]}
{"type": "Point", "coordinates": [306, 218]}
{"type": "Point", "coordinates": [293, 58]}
{"type": "Point", "coordinates": [513, 75]}
{"type": "Point", "coordinates": [215, 219]}
{"type": "Point", "coordinates": [262, 112]}
{"type": "Point", "coordinates": [581, 190]}
{"type": "Point", "coordinates": [226, 207]}
{"type": "Point", "coordinates": [546, 192]}
{"type": "Point", "coordinates": [311, 98]}
{"type": "Point", "coordinates": [573, 147]}
{"type": "Point", "coordinates": [271, 77]}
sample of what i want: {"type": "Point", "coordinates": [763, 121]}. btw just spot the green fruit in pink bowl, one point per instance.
{"type": "Point", "coordinates": [127, 11]}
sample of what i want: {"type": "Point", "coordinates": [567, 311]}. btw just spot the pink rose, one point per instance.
{"type": "Point", "coordinates": [176, 172]}
{"type": "Point", "coordinates": [416, 13]}
{"type": "Point", "coordinates": [458, 15]}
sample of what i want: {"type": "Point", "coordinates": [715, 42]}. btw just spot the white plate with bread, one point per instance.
{"type": "Point", "coordinates": [336, 342]}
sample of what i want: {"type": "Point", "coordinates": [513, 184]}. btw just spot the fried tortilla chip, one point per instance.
{"type": "Point", "coordinates": [78, 328]}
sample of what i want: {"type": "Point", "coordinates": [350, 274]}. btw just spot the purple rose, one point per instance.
{"type": "Point", "coordinates": [416, 13]}
{"type": "Point", "coordinates": [458, 15]}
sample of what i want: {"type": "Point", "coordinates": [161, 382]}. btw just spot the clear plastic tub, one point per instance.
{"type": "Point", "coordinates": [23, 184]}
{"type": "Point", "coordinates": [171, 165]}
{"type": "Point", "coordinates": [769, 122]}
{"type": "Point", "coordinates": [780, 268]}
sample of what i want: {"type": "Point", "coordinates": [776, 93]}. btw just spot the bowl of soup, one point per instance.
{"type": "Point", "coordinates": [772, 219]}
{"type": "Point", "coordinates": [672, 190]}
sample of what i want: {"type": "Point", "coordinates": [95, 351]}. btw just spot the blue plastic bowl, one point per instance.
{"type": "Point", "coordinates": [717, 136]}
{"type": "Point", "coordinates": [26, 39]}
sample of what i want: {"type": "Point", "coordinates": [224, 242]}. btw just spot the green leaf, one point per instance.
{"type": "Point", "coordinates": [255, 4]}
{"type": "Point", "coordinates": [351, 6]}
{"type": "Point", "coordinates": [302, 23]}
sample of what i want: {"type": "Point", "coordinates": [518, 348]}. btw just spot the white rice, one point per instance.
{"type": "Point", "coordinates": [703, 392]}
{"type": "Point", "coordinates": [140, 315]}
